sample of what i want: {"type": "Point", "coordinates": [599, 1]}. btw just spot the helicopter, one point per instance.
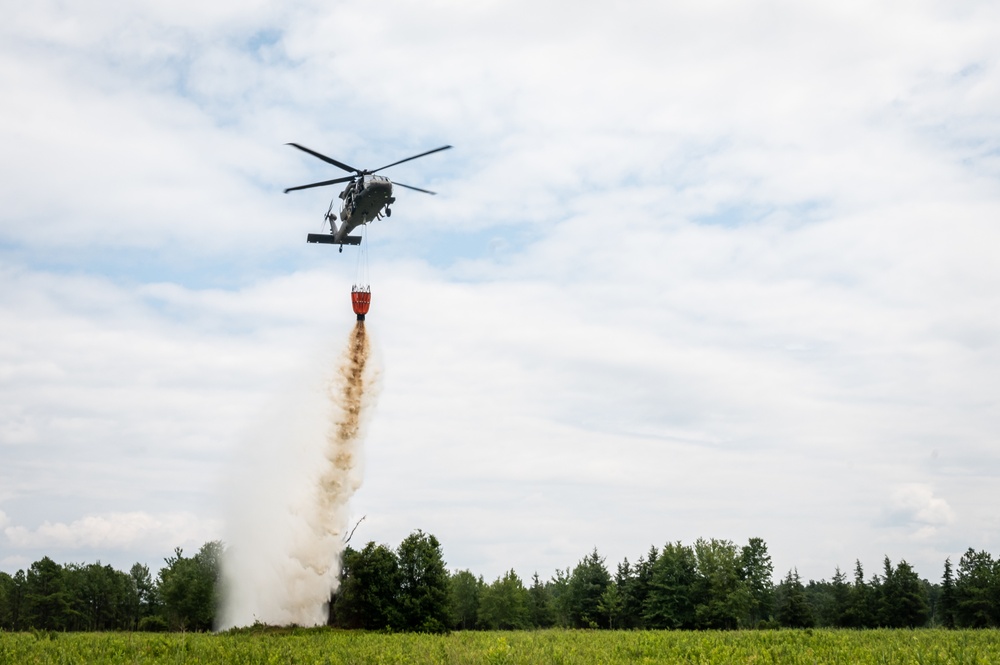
{"type": "Point", "coordinates": [366, 196]}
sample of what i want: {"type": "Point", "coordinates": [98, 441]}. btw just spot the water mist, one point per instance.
{"type": "Point", "coordinates": [289, 519]}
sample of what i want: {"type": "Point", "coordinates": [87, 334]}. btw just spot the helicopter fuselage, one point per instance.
{"type": "Point", "coordinates": [363, 201]}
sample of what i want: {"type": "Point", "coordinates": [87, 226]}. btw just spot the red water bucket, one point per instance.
{"type": "Point", "coordinates": [361, 300]}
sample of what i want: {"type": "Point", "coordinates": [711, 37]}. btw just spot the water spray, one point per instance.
{"type": "Point", "coordinates": [285, 546]}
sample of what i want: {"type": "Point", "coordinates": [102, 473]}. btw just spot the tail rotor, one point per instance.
{"type": "Point", "coordinates": [331, 218]}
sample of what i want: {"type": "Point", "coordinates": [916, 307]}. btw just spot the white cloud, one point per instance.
{"type": "Point", "coordinates": [915, 504]}
{"type": "Point", "coordinates": [115, 531]}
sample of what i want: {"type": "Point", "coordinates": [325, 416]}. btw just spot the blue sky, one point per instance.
{"type": "Point", "coordinates": [694, 270]}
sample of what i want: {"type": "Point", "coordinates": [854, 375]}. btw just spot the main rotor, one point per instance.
{"type": "Point", "coordinates": [357, 173]}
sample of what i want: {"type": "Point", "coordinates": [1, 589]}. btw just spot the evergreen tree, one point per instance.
{"type": "Point", "coordinates": [46, 602]}
{"type": "Point", "coordinates": [624, 582]}
{"type": "Point", "coordinates": [671, 600]}
{"type": "Point", "coordinates": [903, 602]}
{"type": "Point", "coordinates": [946, 607]}
{"type": "Point", "coordinates": [885, 607]}
{"type": "Point", "coordinates": [861, 600]}
{"type": "Point", "coordinates": [10, 602]}
{"type": "Point", "coordinates": [792, 609]}
{"type": "Point", "coordinates": [819, 597]}
{"type": "Point", "coordinates": [977, 591]}
{"type": "Point", "coordinates": [587, 584]}
{"type": "Point", "coordinates": [98, 597]}
{"type": "Point", "coordinates": [841, 599]}
{"type": "Point", "coordinates": [633, 587]}
{"type": "Point", "coordinates": [539, 604]}
{"type": "Point", "coordinates": [560, 600]}
{"type": "Point", "coordinates": [17, 601]}
{"type": "Point", "coordinates": [610, 605]}
{"type": "Point", "coordinates": [874, 600]}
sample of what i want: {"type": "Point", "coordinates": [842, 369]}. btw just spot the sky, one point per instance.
{"type": "Point", "coordinates": [694, 270]}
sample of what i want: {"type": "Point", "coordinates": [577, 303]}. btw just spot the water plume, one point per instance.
{"type": "Point", "coordinates": [289, 519]}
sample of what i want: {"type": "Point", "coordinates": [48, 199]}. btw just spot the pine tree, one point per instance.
{"type": "Point", "coordinates": [670, 602]}
{"type": "Point", "coordinates": [587, 584]}
{"type": "Point", "coordinates": [946, 606]}
{"type": "Point", "coordinates": [539, 604]}
{"type": "Point", "coordinates": [792, 609]}
{"type": "Point", "coordinates": [841, 599]}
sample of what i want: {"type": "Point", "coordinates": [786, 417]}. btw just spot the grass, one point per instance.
{"type": "Point", "coordinates": [919, 647]}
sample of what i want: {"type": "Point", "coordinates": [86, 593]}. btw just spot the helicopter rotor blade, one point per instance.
{"type": "Point", "coordinates": [423, 154]}
{"type": "Point", "coordinates": [425, 191]}
{"type": "Point", "coordinates": [320, 184]}
{"type": "Point", "coordinates": [328, 160]}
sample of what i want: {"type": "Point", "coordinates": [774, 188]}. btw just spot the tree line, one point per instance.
{"type": "Point", "coordinates": [95, 597]}
{"type": "Point", "coordinates": [712, 584]}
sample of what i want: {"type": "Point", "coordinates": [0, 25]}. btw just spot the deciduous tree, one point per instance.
{"type": "Point", "coordinates": [369, 591]}
{"type": "Point", "coordinates": [189, 587]}
{"type": "Point", "coordinates": [757, 571]}
{"type": "Point", "coordinates": [723, 598]}
{"type": "Point", "coordinates": [504, 604]}
{"type": "Point", "coordinates": [143, 598]}
{"type": "Point", "coordinates": [423, 584]}
{"type": "Point", "coordinates": [464, 593]}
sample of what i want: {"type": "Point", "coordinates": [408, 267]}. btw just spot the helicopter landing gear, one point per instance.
{"type": "Point", "coordinates": [340, 250]}
{"type": "Point", "coordinates": [388, 212]}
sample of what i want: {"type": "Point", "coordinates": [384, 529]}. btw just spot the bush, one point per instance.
{"type": "Point", "coordinates": [153, 624]}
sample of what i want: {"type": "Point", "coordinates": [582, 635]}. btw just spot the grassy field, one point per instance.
{"type": "Point", "coordinates": [549, 646]}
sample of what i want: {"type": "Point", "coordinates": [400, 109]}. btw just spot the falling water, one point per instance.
{"type": "Point", "coordinates": [289, 524]}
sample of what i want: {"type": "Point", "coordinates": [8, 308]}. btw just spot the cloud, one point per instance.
{"type": "Point", "coordinates": [915, 505]}
{"type": "Point", "coordinates": [115, 531]}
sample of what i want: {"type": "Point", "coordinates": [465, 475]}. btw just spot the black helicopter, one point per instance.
{"type": "Point", "coordinates": [364, 198]}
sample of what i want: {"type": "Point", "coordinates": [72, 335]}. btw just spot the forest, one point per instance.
{"type": "Point", "coordinates": [712, 584]}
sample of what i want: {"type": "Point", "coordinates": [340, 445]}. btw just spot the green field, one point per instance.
{"type": "Point", "coordinates": [548, 646]}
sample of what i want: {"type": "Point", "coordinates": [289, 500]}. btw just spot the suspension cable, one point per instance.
{"type": "Point", "coordinates": [361, 278]}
